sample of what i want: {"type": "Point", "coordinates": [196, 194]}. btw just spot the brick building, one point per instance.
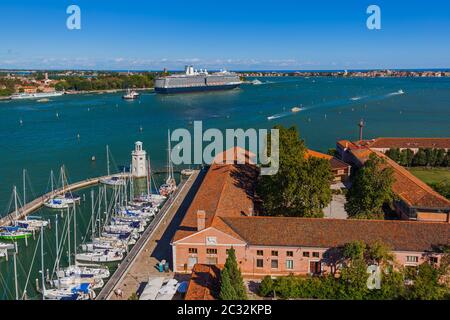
{"type": "Point", "coordinates": [416, 200]}
{"type": "Point", "coordinates": [223, 214]}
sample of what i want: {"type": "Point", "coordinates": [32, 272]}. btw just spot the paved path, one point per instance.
{"type": "Point", "coordinates": [153, 246]}
{"type": "Point", "coordinates": [32, 206]}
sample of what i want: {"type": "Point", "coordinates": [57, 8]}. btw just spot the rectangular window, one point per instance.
{"type": "Point", "coordinates": [259, 252]}
{"type": "Point", "coordinates": [340, 172]}
{"type": "Point", "coordinates": [193, 250]}
{"type": "Point", "coordinates": [412, 259]}
{"type": "Point", "coordinates": [289, 253]}
{"type": "Point", "coordinates": [274, 264]}
{"type": "Point", "coordinates": [315, 255]}
{"type": "Point", "coordinates": [433, 260]}
{"type": "Point", "coordinates": [259, 263]}
{"type": "Point", "coordinates": [274, 253]}
{"type": "Point", "coordinates": [305, 253]}
{"type": "Point", "coordinates": [211, 251]}
{"type": "Point", "coordinates": [289, 264]}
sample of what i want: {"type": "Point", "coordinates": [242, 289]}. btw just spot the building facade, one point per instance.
{"type": "Point", "coordinates": [223, 215]}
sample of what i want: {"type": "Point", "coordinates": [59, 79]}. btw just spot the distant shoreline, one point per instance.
{"type": "Point", "coordinates": [73, 92]}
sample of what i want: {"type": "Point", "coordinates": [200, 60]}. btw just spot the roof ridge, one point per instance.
{"type": "Point", "coordinates": [412, 178]}
{"type": "Point", "coordinates": [336, 219]}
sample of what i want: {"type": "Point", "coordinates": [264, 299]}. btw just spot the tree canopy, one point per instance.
{"type": "Point", "coordinates": [302, 185]}
{"type": "Point", "coordinates": [371, 188]}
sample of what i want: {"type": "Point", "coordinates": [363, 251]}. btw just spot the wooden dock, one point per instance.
{"type": "Point", "coordinates": [37, 203]}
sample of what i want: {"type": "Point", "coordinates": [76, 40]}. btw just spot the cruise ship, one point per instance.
{"type": "Point", "coordinates": [37, 95]}
{"type": "Point", "coordinates": [194, 80]}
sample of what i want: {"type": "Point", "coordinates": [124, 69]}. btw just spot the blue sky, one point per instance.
{"type": "Point", "coordinates": [244, 34]}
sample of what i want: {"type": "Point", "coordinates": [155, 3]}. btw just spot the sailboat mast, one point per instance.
{"type": "Point", "coordinates": [92, 213]}
{"type": "Point", "coordinates": [51, 179]}
{"type": "Point", "coordinates": [107, 159]}
{"type": "Point", "coordinates": [74, 230]}
{"type": "Point", "coordinates": [148, 177]}
{"type": "Point", "coordinates": [42, 263]}
{"type": "Point", "coordinates": [15, 203]}
{"type": "Point", "coordinates": [24, 187]}
{"type": "Point", "coordinates": [68, 234]}
{"type": "Point", "coordinates": [57, 243]}
{"type": "Point", "coordinates": [16, 285]}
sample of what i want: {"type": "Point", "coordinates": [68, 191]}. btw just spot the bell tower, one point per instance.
{"type": "Point", "coordinates": [139, 161]}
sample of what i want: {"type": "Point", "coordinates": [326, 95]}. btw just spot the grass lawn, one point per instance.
{"type": "Point", "coordinates": [431, 175]}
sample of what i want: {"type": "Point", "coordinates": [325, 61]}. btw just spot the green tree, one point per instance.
{"type": "Point", "coordinates": [420, 158]}
{"type": "Point", "coordinates": [231, 276]}
{"type": "Point", "coordinates": [371, 188]}
{"type": "Point", "coordinates": [266, 287]}
{"type": "Point", "coordinates": [426, 284]}
{"type": "Point", "coordinates": [227, 291]}
{"type": "Point", "coordinates": [302, 185]}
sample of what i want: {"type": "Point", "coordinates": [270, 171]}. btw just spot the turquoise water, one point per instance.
{"type": "Point", "coordinates": [334, 107]}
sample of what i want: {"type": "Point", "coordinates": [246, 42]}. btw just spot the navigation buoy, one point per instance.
{"type": "Point", "coordinates": [78, 136]}
{"type": "Point", "coordinates": [21, 122]}
{"type": "Point", "coordinates": [57, 115]}
{"type": "Point", "coordinates": [93, 158]}
{"type": "Point", "coordinates": [141, 129]}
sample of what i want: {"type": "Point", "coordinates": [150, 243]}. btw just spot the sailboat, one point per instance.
{"type": "Point", "coordinates": [170, 185]}
{"type": "Point", "coordinates": [17, 231]}
{"type": "Point", "coordinates": [4, 247]}
{"type": "Point", "coordinates": [114, 180]}
{"type": "Point", "coordinates": [58, 202]}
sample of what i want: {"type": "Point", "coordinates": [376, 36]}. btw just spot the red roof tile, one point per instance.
{"type": "Point", "coordinates": [327, 233]}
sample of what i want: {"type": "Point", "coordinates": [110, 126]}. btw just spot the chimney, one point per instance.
{"type": "Point", "coordinates": [201, 220]}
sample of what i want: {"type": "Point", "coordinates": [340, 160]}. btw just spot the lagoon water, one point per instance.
{"type": "Point", "coordinates": [40, 136]}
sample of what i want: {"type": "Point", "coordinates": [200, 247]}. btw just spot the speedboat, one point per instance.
{"type": "Point", "coordinates": [297, 109]}
{"type": "Point", "coordinates": [130, 95]}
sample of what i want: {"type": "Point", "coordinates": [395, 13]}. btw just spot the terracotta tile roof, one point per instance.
{"type": "Point", "coordinates": [412, 190]}
{"type": "Point", "coordinates": [334, 162]}
{"type": "Point", "coordinates": [204, 283]}
{"type": "Point", "coordinates": [327, 233]}
{"type": "Point", "coordinates": [311, 153]}
{"type": "Point", "coordinates": [438, 143]}
{"type": "Point", "coordinates": [227, 190]}
{"type": "Point", "coordinates": [409, 188]}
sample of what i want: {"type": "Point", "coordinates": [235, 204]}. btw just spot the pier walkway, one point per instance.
{"type": "Point", "coordinates": [37, 203]}
{"type": "Point", "coordinates": [154, 244]}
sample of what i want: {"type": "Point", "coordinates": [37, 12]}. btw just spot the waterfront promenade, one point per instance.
{"type": "Point", "coordinates": [154, 244]}
{"type": "Point", "coordinates": [37, 203]}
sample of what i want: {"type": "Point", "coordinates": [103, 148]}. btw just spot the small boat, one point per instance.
{"type": "Point", "coordinates": [297, 109]}
{"type": "Point", "coordinates": [4, 247]}
{"type": "Point", "coordinates": [187, 172]}
{"type": "Point", "coordinates": [100, 256]}
{"type": "Point", "coordinates": [113, 181]}
{"type": "Point", "coordinates": [13, 233]}
{"type": "Point", "coordinates": [75, 279]}
{"type": "Point", "coordinates": [93, 270]}
{"type": "Point", "coordinates": [130, 95]}
{"type": "Point", "coordinates": [79, 292]}
{"type": "Point", "coordinates": [56, 203]}
{"type": "Point", "coordinates": [400, 91]}
{"type": "Point", "coordinates": [256, 82]}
